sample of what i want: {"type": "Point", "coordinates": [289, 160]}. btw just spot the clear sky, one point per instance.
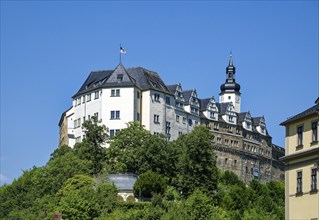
{"type": "Point", "coordinates": [49, 48]}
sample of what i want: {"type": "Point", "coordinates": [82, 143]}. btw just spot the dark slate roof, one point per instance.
{"type": "Point", "coordinates": [138, 76]}
{"type": "Point", "coordinates": [313, 110]}
{"type": "Point", "coordinates": [123, 182]}
{"type": "Point", "coordinates": [146, 79]}
{"type": "Point", "coordinates": [222, 107]}
{"type": "Point", "coordinates": [204, 103]}
{"type": "Point", "coordinates": [241, 116]}
{"type": "Point", "coordinates": [278, 148]}
{"type": "Point", "coordinates": [94, 81]}
{"type": "Point", "coordinates": [256, 121]}
{"type": "Point", "coordinates": [172, 88]}
{"type": "Point", "coordinates": [187, 95]}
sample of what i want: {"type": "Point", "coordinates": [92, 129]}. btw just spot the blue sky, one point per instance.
{"type": "Point", "coordinates": [49, 48]}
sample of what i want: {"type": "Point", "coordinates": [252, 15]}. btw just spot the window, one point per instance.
{"type": "Point", "coordinates": [96, 95]}
{"type": "Point", "coordinates": [156, 97]}
{"type": "Point", "coordinates": [88, 97]}
{"type": "Point", "coordinates": [314, 129]}
{"type": "Point", "coordinates": [96, 114]}
{"type": "Point", "coordinates": [180, 133]}
{"type": "Point", "coordinates": [299, 182]}
{"type": "Point", "coordinates": [216, 126]}
{"type": "Point", "coordinates": [112, 132]}
{"type": "Point", "coordinates": [168, 127]}
{"type": "Point", "coordinates": [115, 92]}
{"type": "Point", "coordinates": [196, 123]}
{"type": "Point", "coordinates": [115, 114]}
{"type": "Point", "coordinates": [79, 101]}
{"type": "Point", "coordinates": [137, 116]}
{"type": "Point", "coordinates": [83, 99]}
{"type": "Point", "coordinates": [156, 119]}
{"type": "Point", "coordinates": [156, 133]}
{"type": "Point", "coordinates": [299, 133]}
{"type": "Point", "coordinates": [84, 119]}
{"type": "Point", "coordinates": [226, 159]}
{"type": "Point", "coordinates": [119, 78]}
{"type": "Point", "coordinates": [184, 120]}
{"type": "Point", "coordinates": [231, 119]}
{"type": "Point", "coordinates": [177, 118]}
{"type": "Point", "coordinates": [78, 139]}
{"type": "Point", "coordinates": [138, 94]}
{"type": "Point", "coordinates": [168, 100]}
{"type": "Point", "coordinates": [89, 117]}
{"type": "Point", "coordinates": [314, 179]}
{"type": "Point", "coordinates": [190, 122]}
{"type": "Point", "coordinates": [212, 115]}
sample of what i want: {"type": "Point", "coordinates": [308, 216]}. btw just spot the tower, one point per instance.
{"type": "Point", "coordinates": [229, 91]}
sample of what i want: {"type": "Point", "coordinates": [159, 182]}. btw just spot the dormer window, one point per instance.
{"type": "Point", "coordinates": [119, 78]}
{"type": "Point", "coordinates": [231, 119]}
{"type": "Point", "coordinates": [156, 97]}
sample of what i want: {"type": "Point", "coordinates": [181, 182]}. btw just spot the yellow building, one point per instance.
{"type": "Point", "coordinates": [301, 165]}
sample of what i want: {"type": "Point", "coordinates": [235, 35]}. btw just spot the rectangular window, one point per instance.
{"type": "Point", "coordinates": [83, 99]}
{"type": "Point", "coordinates": [168, 100]}
{"type": "Point", "coordinates": [137, 116]}
{"type": "Point", "coordinates": [84, 119]}
{"type": "Point", "coordinates": [96, 114]}
{"type": "Point", "coordinates": [156, 119]}
{"type": "Point", "coordinates": [196, 123]}
{"type": "Point", "coordinates": [112, 132]}
{"type": "Point", "coordinates": [78, 140]}
{"type": "Point", "coordinates": [299, 133]}
{"type": "Point", "coordinates": [314, 129]}
{"type": "Point", "coordinates": [156, 97]}
{"type": "Point", "coordinates": [190, 122]}
{"type": "Point", "coordinates": [177, 118]}
{"type": "Point", "coordinates": [180, 133]}
{"type": "Point", "coordinates": [314, 172]}
{"type": "Point", "coordinates": [115, 92]}
{"type": "Point", "coordinates": [212, 115]}
{"type": "Point", "coordinates": [184, 120]}
{"type": "Point", "coordinates": [156, 133]}
{"type": "Point", "coordinates": [216, 126]}
{"type": "Point", "coordinates": [79, 101]}
{"type": "Point", "coordinates": [88, 97]}
{"type": "Point", "coordinates": [168, 127]}
{"type": "Point", "coordinates": [115, 114]}
{"type": "Point", "coordinates": [89, 117]}
{"type": "Point", "coordinates": [96, 95]}
{"type": "Point", "coordinates": [138, 94]}
{"type": "Point", "coordinates": [231, 119]}
{"type": "Point", "coordinates": [75, 123]}
{"type": "Point", "coordinates": [299, 182]}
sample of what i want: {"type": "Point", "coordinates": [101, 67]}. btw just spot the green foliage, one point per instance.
{"type": "Point", "coordinates": [198, 206]}
{"type": "Point", "coordinates": [197, 163]}
{"type": "Point", "coordinates": [181, 178]}
{"type": "Point", "coordinates": [95, 133]}
{"type": "Point", "coordinates": [91, 147]}
{"type": "Point", "coordinates": [148, 184]}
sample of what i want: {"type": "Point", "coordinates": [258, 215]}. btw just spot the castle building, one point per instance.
{"type": "Point", "coordinates": [118, 96]}
{"type": "Point", "coordinates": [302, 163]}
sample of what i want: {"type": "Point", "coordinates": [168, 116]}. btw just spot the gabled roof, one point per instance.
{"type": "Point", "coordinates": [187, 95]}
{"type": "Point", "coordinates": [256, 121]}
{"type": "Point", "coordinates": [222, 107]}
{"type": "Point", "coordinates": [242, 116]}
{"type": "Point", "coordinates": [310, 111]}
{"type": "Point", "coordinates": [172, 88]}
{"type": "Point", "coordinates": [204, 104]}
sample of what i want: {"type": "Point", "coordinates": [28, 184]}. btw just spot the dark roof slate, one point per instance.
{"type": "Point", "coordinates": [172, 88]}
{"type": "Point", "coordinates": [138, 76]}
{"type": "Point", "coordinates": [187, 95]}
{"type": "Point", "coordinates": [314, 109]}
{"type": "Point", "coordinates": [256, 120]}
{"type": "Point", "coordinates": [222, 107]}
{"type": "Point", "coordinates": [204, 103]}
{"type": "Point", "coordinates": [241, 116]}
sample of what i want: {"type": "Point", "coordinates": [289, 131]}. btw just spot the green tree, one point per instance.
{"type": "Point", "coordinates": [91, 147]}
{"type": "Point", "coordinates": [136, 150]}
{"type": "Point", "coordinates": [198, 205]}
{"type": "Point", "coordinates": [197, 163]}
{"type": "Point", "coordinates": [77, 199]}
{"type": "Point", "coordinates": [148, 184]}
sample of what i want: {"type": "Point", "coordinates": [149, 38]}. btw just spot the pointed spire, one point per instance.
{"type": "Point", "coordinates": [230, 58]}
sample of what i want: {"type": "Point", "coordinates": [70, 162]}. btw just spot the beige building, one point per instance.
{"type": "Point", "coordinates": [301, 165]}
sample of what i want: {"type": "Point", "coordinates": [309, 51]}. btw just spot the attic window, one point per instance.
{"type": "Point", "coordinates": [119, 78]}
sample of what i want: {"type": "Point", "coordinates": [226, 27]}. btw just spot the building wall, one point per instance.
{"type": "Point", "coordinates": [303, 205]}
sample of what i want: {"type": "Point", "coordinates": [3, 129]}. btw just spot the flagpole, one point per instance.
{"type": "Point", "coordinates": [120, 54]}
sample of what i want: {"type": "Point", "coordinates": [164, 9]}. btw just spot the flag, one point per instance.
{"type": "Point", "coordinates": [122, 50]}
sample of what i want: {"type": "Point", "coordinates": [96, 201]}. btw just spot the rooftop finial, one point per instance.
{"type": "Point", "coordinates": [231, 58]}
